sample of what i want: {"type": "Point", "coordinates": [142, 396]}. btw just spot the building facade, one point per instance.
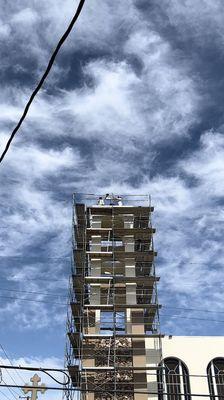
{"type": "Point", "coordinates": [193, 367]}
{"type": "Point", "coordinates": [115, 349]}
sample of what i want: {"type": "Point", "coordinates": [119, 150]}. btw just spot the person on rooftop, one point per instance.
{"type": "Point", "coordinates": [108, 200]}
{"type": "Point", "coordinates": [119, 201]}
{"type": "Point", "coordinates": [100, 201]}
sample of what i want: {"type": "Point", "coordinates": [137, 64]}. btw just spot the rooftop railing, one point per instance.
{"type": "Point", "coordinates": [112, 199]}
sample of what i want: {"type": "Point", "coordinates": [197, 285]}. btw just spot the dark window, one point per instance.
{"type": "Point", "coordinates": [173, 380]}
{"type": "Point", "coordinates": [215, 373]}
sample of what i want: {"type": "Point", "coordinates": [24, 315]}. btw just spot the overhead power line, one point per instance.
{"type": "Point", "coordinates": [218, 396]}
{"type": "Point", "coordinates": [13, 392]}
{"type": "Point", "coordinates": [34, 301]}
{"type": "Point", "coordinates": [196, 318]}
{"type": "Point", "coordinates": [161, 313]}
{"type": "Point", "coordinates": [9, 359]}
{"type": "Point", "coordinates": [47, 371]}
{"type": "Point", "coordinates": [58, 295]}
{"type": "Point", "coordinates": [38, 87]}
{"type": "Point", "coordinates": [5, 395]}
{"type": "Point", "coordinates": [11, 389]}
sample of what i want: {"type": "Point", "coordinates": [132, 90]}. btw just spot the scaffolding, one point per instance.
{"type": "Point", "coordinates": [113, 300]}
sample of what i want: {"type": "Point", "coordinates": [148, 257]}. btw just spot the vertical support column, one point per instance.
{"type": "Point", "coordinates": [128, 221]}
{"type": "Point", "coordinates": [140, 377]}
{"type": "Point", "coordinates": [95, 267]}
{"type": "Point", "coordinates": [153, 355]}
{"type": "Point", "coordinates": [129, 243]}
{"type": "Point", "coordinates": [95, 221]}
{"type": "Point", "coordinates": [130, 293]}
{"type": "Point", "coordinates": [96, 243]}
{"type": "Point", "coordinates": [94, 297]}
{"type": "Point", "coordinates": [129, 267]}
{"type": "Point", "coordinates": [139, 354]}
{"type": "Point", "coordinates": [130, 287]}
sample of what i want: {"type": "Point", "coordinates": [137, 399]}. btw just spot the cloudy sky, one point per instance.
{"type": "Point", "coordinates": [133, 104]}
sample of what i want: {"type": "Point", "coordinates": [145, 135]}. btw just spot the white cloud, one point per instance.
{"type": "Point", "coordinates": [202, 19]}
{"type": "Point", "coordinates": [167, 94]}
{"type": "Point", "coordinates": [25, 17]}
{"type": "Point", "coordinates": [120, 117]}
{"type": "Point", "coordinates": [4, 30]}
{"type": "Point", "coordinates": [160, 104]}
{"type": "Point", "coordinates": [207, 166]}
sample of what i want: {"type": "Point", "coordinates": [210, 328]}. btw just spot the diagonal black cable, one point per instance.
{"type": "Point", "coordinates": [38, 87]}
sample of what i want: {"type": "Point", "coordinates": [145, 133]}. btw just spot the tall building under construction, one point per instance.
{"type": "Point", "coordinates": [113, 296]}
{"type": "Point", "coordinates": [114, 342]}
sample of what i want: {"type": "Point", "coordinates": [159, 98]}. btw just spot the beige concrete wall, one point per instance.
{"type": "Point", "coordinates": [153, 358]}
{"type": "Point", "coordinates": [196, 352]}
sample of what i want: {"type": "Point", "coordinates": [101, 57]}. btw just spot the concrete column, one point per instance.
{"type": "Point", "coordinates": [153, 358]}
{"type": "Point", "coordinates": [130, 293]}
{"type": "Point", "coordinates": [96, 221]}
{"type": "Point", "coordinates": [96, 267]}
{"type": "Point", "coordinates": [94, 293]}
{"type": "Point", "coordinates": [140, 377]}
{"type": "Point", "coordinates": [128, 221]}
{"type": "Point", "coordinates": [137, 319]}
{"type": "Point", "coordinates": [96, 243]}
{"type": "Point", "coordinates": [129, 244]}
{"type": "Point", "coordinates": [129, 267]}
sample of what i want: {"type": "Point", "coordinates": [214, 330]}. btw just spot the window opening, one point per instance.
{"type": "Point", "coordinates": [215, 373]}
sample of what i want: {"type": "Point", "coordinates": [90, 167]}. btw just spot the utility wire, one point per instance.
{"type": "Point", "coordinates": [182, 317]}
{"type": "Point", "coordinates": [11, 388]}
{"type": "Point", "coordinates": [116, 391]}
{"type": "Point", "coordinates": [9, 359]}
{"type": "Point", "coordinates": [193, 309]}
{"type": "Point", "coordinates": [44, 370]}
{"type": "Point", "coordinates": [37, 257]}
{"type": "Point", "coordinates": [5, 395]}
{"type": "Point", "coordinates": [35, 301]}
{"type": "Point", "coordinates": [38, 87]}
{"type": "Point", "coordinates": [65, 305]}
{"type": "Point", "coordinates": [13, 279]}
{"type": "Point", "coordinates": [64, 296]}
{"type": "Point", "coordinates": [7, 369]}
{"type": "Point", "coordinates": [66, 372]}
{"type": "Point", "coordinates": [41, 293]}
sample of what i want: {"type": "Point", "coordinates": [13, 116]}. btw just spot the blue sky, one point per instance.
{"type": "Point", "coordinates": [134, 104]}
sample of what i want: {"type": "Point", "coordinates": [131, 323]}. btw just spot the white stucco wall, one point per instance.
{"type": "Point", "coordinates": [196, 352]}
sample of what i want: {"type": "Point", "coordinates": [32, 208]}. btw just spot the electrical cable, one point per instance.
{"type": "Point", "coordinates": [54, 379]}
{"type": "Point", "coordinates": [195, 318]}
{"type": "Point", "coordinates": [36, 257]}
{"type": "Point", "coordinates": [65, 371]}
{"type": "Point", "coordinates": [35, 301]}
{"type": "Point", "coordinates": [193, 309]}
{"type": "Point", "coordinates": [11, 362]}
{"type": "Point", "coordinates": [219, 396]}
{"type": "Point", "coordinates": [39, 85]}
{"type": "Point", "coordinates": [161, 313]}
{"type": "Point", "coordinates": [44, 370]}
{"type": "Point", "coordinates": [10, 388]}
{"type": "Point", "coordinates": [4, 395]}
{"type": "Point", "coordinates": [28, 292]}
{"type": "Point", "coordinates": [11, 365]}
{"type": "Point", "coordinates": [63, 304]}
{"type": "Point", "coordinates": [36, 279]}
